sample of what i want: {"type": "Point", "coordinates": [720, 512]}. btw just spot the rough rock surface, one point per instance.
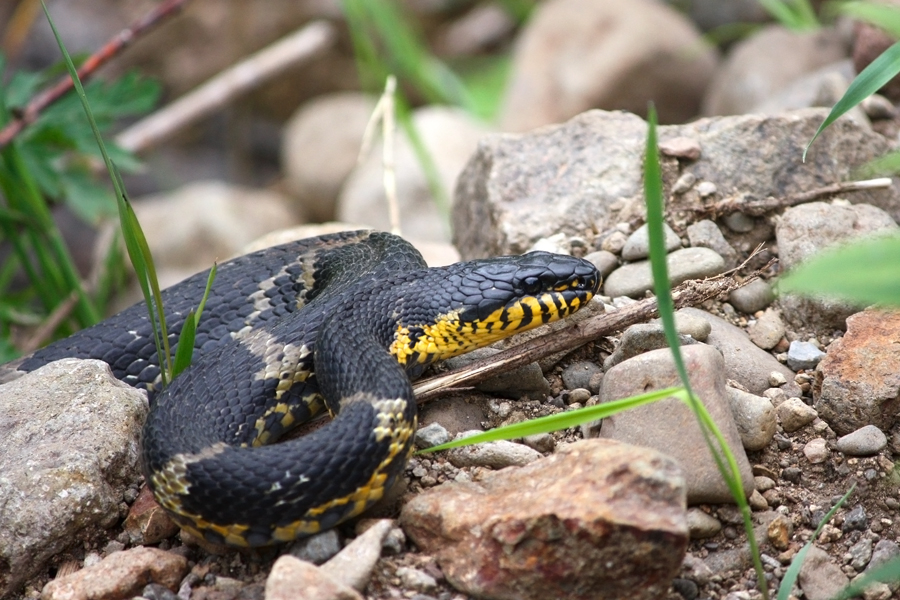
{"type": "Point", "coordinates": [668, 425]}
{"type": "Point", "coordinates": [598, 519]}
{"type": "Point", "coordinates": [120, 575]}
{"type": "Point", "coordinates": [70, 435]}
{"type": "Point", "coordinates": [294, 579]}
{"type": "Point", "coordinates": [561, 67]}
{"type": "Point", "coordinates": [590, 173]}
{"type": "Point", "coordinates": [858, 383]}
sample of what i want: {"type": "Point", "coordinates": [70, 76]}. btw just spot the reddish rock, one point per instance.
{"type": "Point", "coordinates": [868, 44]}
{"type": "Point", "coordinates": [858, 381]}
{"type": "Point", "coordinates": [598, 519]}
{"type": "Point", "coordinates": [120, 575]}
{"type": "Point", "coordinates": [147, 522]}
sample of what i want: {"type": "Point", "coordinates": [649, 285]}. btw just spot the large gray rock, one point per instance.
{"type": "Point", "coordinates": [669, 425]}
{"type": "Point", "coordinates": [70, 434]}
{"type": "Point", "coordinates": [583, 177]}
{"type": "Point", "coordinates": [806, 230]}
{"type": "Point", "coordinates": [561, 67]}
{"type": "Point", "coordinates": [755, 68]}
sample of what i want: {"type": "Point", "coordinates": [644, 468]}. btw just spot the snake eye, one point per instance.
{"type": "Point", "coordinates": [531, 285]}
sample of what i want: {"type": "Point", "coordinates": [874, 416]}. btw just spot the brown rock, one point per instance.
{"type": "Point", "coordinates": [868, 44]}
{"type": "Point", "coordinates": [858, 381]}
{"type": "Point", "coordinates": [120, 575]}
{"type": "Point", "coordinates": [147, 522]}
{"type": "Point", "coordinates": [294, 579]}
{"type": "Point", "coordinates": [598, 519]}
{"type": "Point", "coordinates": [779, 532]}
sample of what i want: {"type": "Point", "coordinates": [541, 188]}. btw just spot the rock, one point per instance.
{"type": "Point", "coordinates": [638, 339]}
{"type": "Point", "coordinates": [767, 331]}
{"type": "Point", "coordinates": [317, 549]}
{"type": "Point", "coordinates": [638, 244]}
{"type": "Point", "coordinates": [668, 425]}
{"type": "Point", "coordinates": [604, 260]}
{"type": "Point", "coordinates": [820, 579]}
{"type": "Point", "coordinates": [803, 356]}
{"type": "Point", "coordinates": [804, 231]}
{"type": "Point", "coordinates": [450, 136]}
{"type": "Point", "coordinates": [754, 417]}
{"type": "Point", "coordinates": [353, 565]}
{"type": "Point", "coordinates": [579, 374]}
{"type": "Point", "coordinates": [860, 374]}
{"type": "Point", "coordinates": [561, 67]}
{"type": "Point", "coordinates": [865, 441]}
{"type": "Point", "coordinates": [702, 525]}
{"type": "Point", "coordinates": [752, 297]}
{"type": "Point", "coordinates": [884, 551]}
{"type": "Point", "coordinates": [690, 324]}
{"type": "Point", "coordinates": [816, 452]}
{"type": "Point", "coordinates": [542, 442]}
{"type": "Point", "coordinates": [430, 435]}
{"type": "Point", "coordinates": [147, 522]}
{"type": "Point", "coordinates": [604, 520]}
{"type": "Point", "coordinates": [518, 188]}
{"type": "Point", "coordinates": [754, 72]}
{"type": "Point", "coordinates": [120, 575]}
{"type": "Point", "coordinates": [757, 501]}
{"type": "Point", "coordinates": [855, 520]}
{"type": "Point", "coordinates": [294, 579]}
{"type": "Point", "coordinates": [70, 434]}
{"type": "Point", "coordinates": [683, 147]}
{"type": "Point", "coordinates": [870, 41]}
{"type": "Point", "coordinates": [495, 455]}
{"type": "Point", "coordinates": [795, 414]}
{"type": "Point", "coordinates": [635, 279]}
{"type": "Point", "coordinates": [860, 554]}
{"type": "Point", "coordinates": [779, 532]}
{"type": "Point", "coordinates": [319, 149]}
{"type": "Point", "coordinates": [706, 234]}
{"type": "Point", "coordinates": [416, 579]}
{"type": "Point", "coordinates": [744, 361]}
{"type": "Point", "coordinates": [215, 220]}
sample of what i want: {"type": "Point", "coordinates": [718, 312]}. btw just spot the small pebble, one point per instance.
{"type": "Point", "coordinates": [752, 297]}
{"type": "Point", "coordinates": [318, 548]}
{"type": "Point", "coordinates": [577, 396]}
{"type": "Point", "coordinates": [795, 414]}
{"type": "Point", "coordinates": [417, 580]}
{"type": "Point", "coordinates": [701, 525]}
{"type": "Point", "coordinates": [706, 189]}
{"type": "Point", "coordinates": [791, 474]}
{"type": "Point", "coordinates": [860, 554]}
{"type": "Point", "coordinates": [614, 242]}
{"type": "Point", "coordinates": [763, 483]}
{"type": "Point", "coordinates": [739, 222]}
{"type": "Point", "coordinates": [706, 234]}
{"type": "Point", "coordinates": [605, 261]}
{"type": "Point", "coordinates": [865, 441]}
{"type": "Point", "coordinates": [878, 107]}
{"type": "Point", "coordinates": [433, 434]}
{"type": "Point", "coordinates": [578, 374]}
{"type": "Point", "coordinates": [542, 442]}
{"type": "Point", "coordinates": [803, 356]}
{"type": "Point", "coordinates": [681, 147]}
{"type": "Point", "coordinates": [855, 520]}
{"type": "Point", "coordinates": [777, 379]}
{"type": "Point", "coordinates": [684, 183]}
{"type": "Point", "coordinates": [638, 244]}
{"type": "Point", "coordinates": [815, 451]}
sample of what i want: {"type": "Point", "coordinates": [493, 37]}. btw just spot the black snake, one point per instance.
{"type": "Point", "coordinates": [339, 322]}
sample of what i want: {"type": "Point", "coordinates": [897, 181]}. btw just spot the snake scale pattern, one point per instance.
{"type": "Point", "coordinates": [340, 322]}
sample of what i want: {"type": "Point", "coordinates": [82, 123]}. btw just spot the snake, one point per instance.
{"type": "Point", "coordinates": [339, 323]}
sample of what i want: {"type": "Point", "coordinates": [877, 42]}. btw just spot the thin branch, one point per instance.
{"type": "Point", "coordinates": [53, 320]}
{"type": "Point", "coordinates": [689, 293]}
{"type": "Point", "coordinates": [243, 77]}
{"type": "Point", "coordinates": [112, 48]}
{"type": "Point", "coordinates": [757, 208]}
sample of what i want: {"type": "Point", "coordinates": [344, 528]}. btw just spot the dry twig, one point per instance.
{"type": "Point", "coordinates": [756, 208]}
{"type": "Point", "coordinates": [112, 48]}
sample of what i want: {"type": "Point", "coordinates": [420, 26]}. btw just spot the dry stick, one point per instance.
{"type": "Point", "coordinates": [243, 77]}
{"type": "Point", "coordinates": [758, 208]}
{"type": "Point", "coordinates": [689, 293]}
{"type": "Point", "coordinates": [384, 113]}
{"type": "Point", "coordinates": [109, 50]}
{"type": "Point", "coordinates": [53, 320]}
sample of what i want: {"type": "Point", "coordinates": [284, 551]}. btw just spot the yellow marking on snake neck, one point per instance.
{"type": "Point", "coordinates": [448, 336]}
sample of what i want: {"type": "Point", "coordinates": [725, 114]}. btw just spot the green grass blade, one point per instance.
{"type": "Point", "coordinates": [790, 576]}
{"type": "Point", "coordinates": [884, 16]}
{"type": "Point", "coordinates": [885, 165]}
{"type": "Point", "coordinates": [863, 272]}
{"type": "Point", "coordinates": [872, 79]}
{"type": "Point", "coordinates": [792, 14]}
{"type": "Point", "coordinates": [559, 421]}
{"type": "Point", "coordinates": [185, 350]}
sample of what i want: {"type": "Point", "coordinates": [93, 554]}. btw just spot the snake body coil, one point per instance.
{"type": "Point", "coordinates": [339, 322]}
